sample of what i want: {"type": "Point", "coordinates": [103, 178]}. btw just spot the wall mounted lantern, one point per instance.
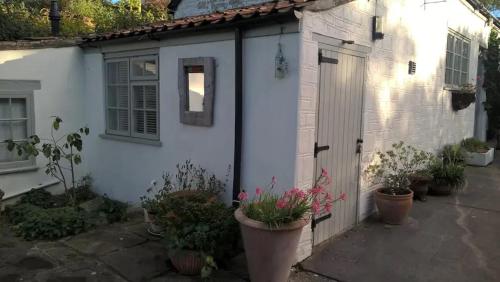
{"type": "Point", "coordinates": [377, 28]}
{"type": "Point", "coordinates": [281, 65]}
{"type": "Point", "coordinates": [412, 67]}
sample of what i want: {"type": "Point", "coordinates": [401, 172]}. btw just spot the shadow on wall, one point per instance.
{"type": "Point", "coordinates": [413, 108]}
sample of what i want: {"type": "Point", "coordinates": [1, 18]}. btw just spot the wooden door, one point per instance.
{"type": "Point", "coordinates": [339, 140]}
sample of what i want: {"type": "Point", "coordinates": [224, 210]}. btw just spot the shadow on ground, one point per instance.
{"type": "Point", "coordinates": [454, 238]}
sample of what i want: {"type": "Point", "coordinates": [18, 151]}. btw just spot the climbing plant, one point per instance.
{"type": "Point", "coordinates": [492, 83]}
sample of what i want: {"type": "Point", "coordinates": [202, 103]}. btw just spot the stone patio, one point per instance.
{"type": "Point", "coordinates": [117, 253]}
{"type": "Point", "coordinates": [454, 238]}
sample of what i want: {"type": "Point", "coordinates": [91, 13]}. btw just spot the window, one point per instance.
{"type": "Point", "coordinates": [132, 107]}
{"type": "Point", "coordinates": [16, 123]}
{"type": "Point", "coordinates": [196, 90]}
{"type": "Point", "coordinates": [457, 60]}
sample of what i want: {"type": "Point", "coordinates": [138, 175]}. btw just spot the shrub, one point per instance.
{"type": "Point", "coordinates": [452, 154]}
{"type": "Point", "coordinates": [475, 146]}
{"type": "Point", "coordinates": [115, 211]}
{"type": "Point", "coordinates": [450, 174]}
{"type": "Point", "coordinates": [32, 222]}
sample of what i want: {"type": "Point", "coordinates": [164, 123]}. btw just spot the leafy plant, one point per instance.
{"type": "Point", "coordinates": [452, 154]}
{"type": "Point", "coordinates": [32, 222]}
{"type": "Point", "coordinates": [475, 146]}
{"type": "Point", "coordinates": [115, 211]}
{"type": "Point", "coordinates": [2, 193]}
{"type": "Point", "coordinates": [394, 167]}
{"type": "Point", "coordinates": [451, 174]}
{"type": "Point", "coordinates": [276, 210]}
{"type": "Point", "coordinates": [62, 153]}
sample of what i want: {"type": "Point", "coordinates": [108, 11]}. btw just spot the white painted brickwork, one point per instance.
{"type": "Point", "coordinates": [398, 106]}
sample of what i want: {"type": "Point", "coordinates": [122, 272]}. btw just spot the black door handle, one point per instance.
{"type": "Point", "coordinates": [318, 149]}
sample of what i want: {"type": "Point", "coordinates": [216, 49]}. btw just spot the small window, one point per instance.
{"type": "Point", "coordinates": [16, 123]}
{"type": "Point", "coordinates": [132, 107]}
{"type": "Point", "coordinates": [196, 90]}
{"type": "Point", "coordinates": [457, 60]}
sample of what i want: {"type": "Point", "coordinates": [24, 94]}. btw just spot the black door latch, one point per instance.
{"type": "Point", "coordinates": [318, 149]}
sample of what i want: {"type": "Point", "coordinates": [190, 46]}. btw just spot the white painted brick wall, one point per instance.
{"type": "Point", "coordinates": [398, 106]}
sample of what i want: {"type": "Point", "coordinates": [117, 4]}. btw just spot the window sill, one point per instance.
{"type": "Point", "coordinates": [18, 169]}
{"type": "Point", "coordinates": [156, 143]}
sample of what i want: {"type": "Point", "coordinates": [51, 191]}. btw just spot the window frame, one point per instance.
{"type": "Point", "coordinates": [454, 55]}
{"type": "Point", "coordinates": [30, 127]}
{"type": "Point", "coordinates": [131, 81]}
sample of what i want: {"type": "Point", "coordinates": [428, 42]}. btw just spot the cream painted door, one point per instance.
{"type": "Point", "coordinates": [339, 141]}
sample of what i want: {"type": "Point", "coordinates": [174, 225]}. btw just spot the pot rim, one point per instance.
{"type": "Point", "coordinates": [243, 219]}
{"type": "Point", "coordinates": [378, 191]}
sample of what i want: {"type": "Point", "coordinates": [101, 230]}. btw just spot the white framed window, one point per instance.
{"type": "Point", "coordinates": [457, 60]}
{"type": "Point", "coordinates": [17, 124]}
{"type": "Point", "coordinates": [132, 99]}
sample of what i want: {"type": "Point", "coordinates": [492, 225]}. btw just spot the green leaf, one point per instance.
{"type": "Point", "coordinates": [56, 123]}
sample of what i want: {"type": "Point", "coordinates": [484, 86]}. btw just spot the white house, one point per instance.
{"type": "Point", "coordinates": [269, 88]}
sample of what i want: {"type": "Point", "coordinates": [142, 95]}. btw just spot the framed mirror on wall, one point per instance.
{"type": "Point", "coordinates": [196, 90]}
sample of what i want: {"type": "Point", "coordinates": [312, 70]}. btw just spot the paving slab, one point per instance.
{"type": "Point", "coordinates": [451, 238]}
{"type": "Point", "coordinates": [139, 263]}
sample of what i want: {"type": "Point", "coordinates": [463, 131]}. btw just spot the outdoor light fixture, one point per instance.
{"type": "Point", "coordinates": [377, 28]}
{"type": "Point", "coordinates": [412, 67]}
{"type": "Point", "coordinates": [281, 65]}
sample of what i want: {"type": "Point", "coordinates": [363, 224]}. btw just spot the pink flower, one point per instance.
{"type": "Point", "coordinates": [294, 191]}
{"type": "Point", "coordinates": [242, 196]}
{"type": "Point", "coordinates": [281, 204]}
{"type": "Point", "coordinates": [328, 196]}
{"type": "Point", "coordinates": [273, 180]}
{"type": "Point", "coordinates": [316, 206]}
{"type": "Point", "coordinates": [258, 191]}
{"type": "Point", "coordinates": [317, 190]}
{"type": "Point", "coordinates": [301, 194]}
{"type": "Point", "coordinates": [324, 173]}
{"type": "Point", "coordinates": [328, 207]}
{"type": "Point", "coordinates": [343, 196]}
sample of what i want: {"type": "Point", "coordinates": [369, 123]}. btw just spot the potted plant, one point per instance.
{"type": "Point", "coordinates": [477, 153]}
{"type": "Point", "coordinates": [447, 177]}
{"type": "Point", "coordinates": [463, 97]}
{"type": "Point", "coordinates": [198, 230]}
{"type": "Point", "coordinates": [2, 193]}
{"type": "Point", "coordinates": [271, 225]}
{"type": "Point", "coordinates": [419, 184]}
{"type": "Point", "coordinates": [396, 169]}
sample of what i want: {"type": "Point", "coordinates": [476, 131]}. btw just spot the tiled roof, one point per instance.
{"type": "Point", "coordinates": [228, 16]}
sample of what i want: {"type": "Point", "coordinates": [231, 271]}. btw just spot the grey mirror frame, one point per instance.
{"type": "Point", "coordinates": [204, 118]}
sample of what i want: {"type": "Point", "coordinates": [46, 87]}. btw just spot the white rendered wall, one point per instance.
{"type": "Point", "coordinates": [416, 108]}
{"type": "Point", "coordinates": [60, 73]}
{"type": "Point", "coordinates": [125, 170]}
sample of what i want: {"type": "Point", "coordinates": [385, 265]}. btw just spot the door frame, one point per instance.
{"type": "Point", "coordinates": [349, 48]}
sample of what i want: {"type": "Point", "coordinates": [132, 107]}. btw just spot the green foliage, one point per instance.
{"type": "Point", "coordinates": [62, 153]}
{"type": "Point", "coordinates": [491, 5]}
{"type": "Point", "coordinates": [32, 222]}
{"type": "Point", "coordinates": [474, 145]}
{"type": "Point", "coordinates": [395, 166]}
{"type": "Point", "coordinates": [451, 174]}
{"type": "Point", "coordinates": [452, 154]}
{"type": "Point", "coordinates": [491, 82]}
{"type": "Point", "coordinates": [25, 18]}
{"type": "Point", "coordinates": [197, 221]}
{"type": "Point", "coordinates": [115, 211]}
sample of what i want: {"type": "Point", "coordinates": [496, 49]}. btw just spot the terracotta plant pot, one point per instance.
{"type": "Point", "coordinates": [187, 262]}
{"type": "Point", "coordinates": [440, 189]}
{"type": "Point", "coordinates": [419, 184]}
{"type": "Point", "coordinates": [270, 252]}
{"type": "Point", "coordinates": [393, 209]}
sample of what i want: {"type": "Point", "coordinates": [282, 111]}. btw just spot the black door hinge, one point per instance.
{"type": "Point", "coordinates": [315, 221]}
{"type": "Point", "coordinates": [318, 149]}
{"type": "Point", "coordinates": [323, 59]}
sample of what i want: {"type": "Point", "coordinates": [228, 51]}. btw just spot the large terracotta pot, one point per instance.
{"type": "Point", "coordinates": [419, 184]}
{"type": "Point", "coordinates": [187, 262]}
{"type": "Point", "coordinates": [393, 209]}
{"type": "Point", "coordinates": [270, 252]}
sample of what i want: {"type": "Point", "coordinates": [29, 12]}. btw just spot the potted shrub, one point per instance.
{"type": "Point", "coordinates": [419, 184]}
{"type": "Point", "coordinates": [477, 153]}
{"type": "Point", "coordinates": [447, 177]}
{"type": "Point", "coordinates": [463, 97]}
{"type": "Point", "coordinates": [198, 230]}
{"type": "Point", "coordinates": [396, 169]}
{"type": "Point", "coordinates": [271, 225]}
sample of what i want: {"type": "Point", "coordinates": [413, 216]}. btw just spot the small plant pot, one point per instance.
{"type": "Point", "coordinates": [480, 159]}
{"type": "Point", "coordinates": [153, 227]}
{"type": "Point", "coordinates": [440, 189]}
{"type": "Point", "coordinates": [393, 209]}
{"type": "Point", "coordinates": [187, 262]}
{"type": "Point", "coordinates": [270, 252]}
{"type": "Point", "coordinates": [420, 186]}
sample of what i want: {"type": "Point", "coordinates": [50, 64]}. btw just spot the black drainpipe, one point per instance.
{"type": "Point", "coordinates": [238, 111]}
{"type": "Point", "coordinates": [54, 17]}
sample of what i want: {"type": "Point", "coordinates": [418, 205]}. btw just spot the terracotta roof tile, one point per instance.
{"type": "Point", "coordinates": [228, 16]}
